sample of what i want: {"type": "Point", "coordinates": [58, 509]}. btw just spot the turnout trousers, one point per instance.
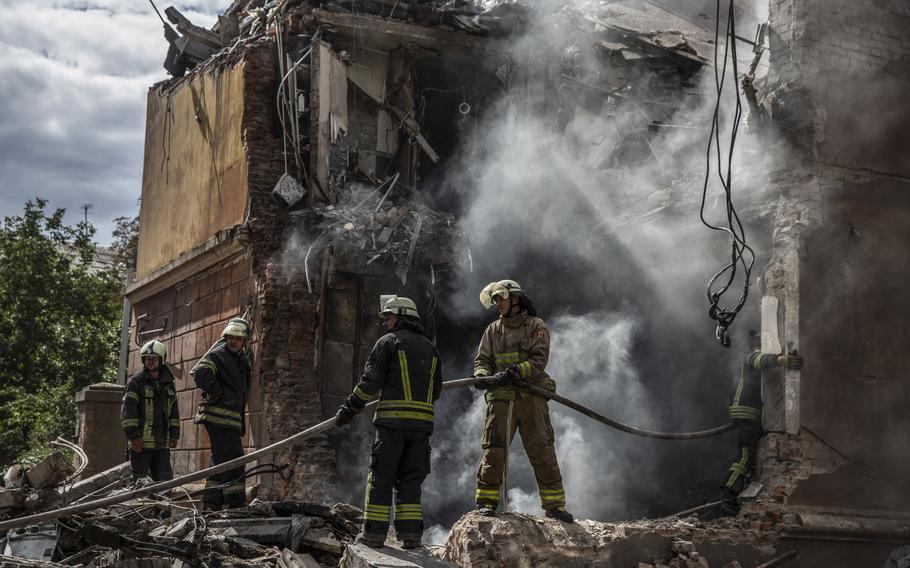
{"type": "Point", "coordinates": [748, 434]}
{"type": "Point", "coordinates": [531, 418]}
{"type": "Point", "coordinates": [152, 463]}
{"type": "Point", "coordinates": [228, 488]}
{"type": "Point", "coordinates": [400, 460]}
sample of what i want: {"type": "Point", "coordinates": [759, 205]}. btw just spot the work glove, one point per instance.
{"type": "Point", "coordinates": [792, 361]}
{"type": "Point", "coordinates": [136, 445]}
{"type": "Point", "coordinates": [484, 383]}
{"type": "Point", "coordinates": [173, 443]}
{"type": "Point", "coordinates": [344, 415]}
{"type": "Point", "coordinates": [503, 378]}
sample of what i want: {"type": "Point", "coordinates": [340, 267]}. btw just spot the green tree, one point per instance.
{"type": "Point", "coordinates": [59, 325]}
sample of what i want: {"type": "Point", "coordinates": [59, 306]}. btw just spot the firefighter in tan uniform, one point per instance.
{"type": "Point", "coordinates": [516, 346]}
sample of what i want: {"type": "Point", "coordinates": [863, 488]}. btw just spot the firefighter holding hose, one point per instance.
{"type": "Point", "coordinates": [516, 346]}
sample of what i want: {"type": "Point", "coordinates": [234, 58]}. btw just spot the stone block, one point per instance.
{"type": "Point", "coordinates": [390, 556]}
{"type": "Point", "coordinates": [48, 472]}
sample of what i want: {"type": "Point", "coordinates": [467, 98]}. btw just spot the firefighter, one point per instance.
{"type": "Point", "coordinates": [405, 367]}
{"type": "Point", "coordinates": [149, 415]}
{"type": "Point", "coordinates": [745, 412]}
{"type": "Point", "coordinates": [224, 374]}
{"type": "Point", "coordinates": [516, 346]}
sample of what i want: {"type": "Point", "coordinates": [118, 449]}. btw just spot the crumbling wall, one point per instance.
{"type": "Point", "coordinates": [286, 311]}
{"type": "Point", "coordinates": [838, 70]}
{"type": "Point", "coordinates": [194, 175]}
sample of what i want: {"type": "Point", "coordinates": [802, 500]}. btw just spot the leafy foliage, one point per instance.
{"type": "Point", "coordinates": [59, 325]}
{"type": "Point", "coordinates": [125, 243]}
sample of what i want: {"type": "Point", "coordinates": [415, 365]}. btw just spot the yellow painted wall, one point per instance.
{"type": "Point", "coordinates": [194, 181]}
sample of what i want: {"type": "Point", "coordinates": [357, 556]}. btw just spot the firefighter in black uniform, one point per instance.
{"type": "Point", "coordinates": [745, 412]}
{"type": "Point", "coordinates": [404, 366]}
{"type": "Point", "coordinates": [149, 415]}
{"type": "Point", "coordinates": [223, 374]}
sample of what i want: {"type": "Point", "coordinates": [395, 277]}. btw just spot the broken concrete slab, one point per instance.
{"type": "Point", "coordinates": [48, 472]}
{"type": "Point", "coordinates": [272, 531]}
{"type": "Point", "coordinates": [516, 539]}
{"type": "Point", "coordinates": [294, 560]}
{"type": "Point", "coordinates": [322, 538]}
{"type": "Point", "coordinates": [389, 556]}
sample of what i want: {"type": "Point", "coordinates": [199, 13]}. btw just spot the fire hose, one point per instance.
{"type": "Point", "coordinates": [322, 427]}
{"type": "Point", "coordinates": [606, 420]}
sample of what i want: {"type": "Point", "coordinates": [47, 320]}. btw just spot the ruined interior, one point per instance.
{"type": "Point", "coordinates": [325, 153]}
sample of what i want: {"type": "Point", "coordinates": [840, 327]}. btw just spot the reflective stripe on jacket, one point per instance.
{"type": "Point", "coordinates": [745, 402]}
{"type": "Point", "coordinates": [149, 410]}
{"type": "Point", "coordinates": [522, 340]}
{"type": "Point", "coordinates": [224, 378]}
{"type": "Point", "coordinates": [406, 367]}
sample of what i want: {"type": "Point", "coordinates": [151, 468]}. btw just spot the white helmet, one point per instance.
{"type": "Point", "coordinates": [238, 327]}
{"type": "Point", "coordinates": [154, 348]}
{"type": "Point", "coordinates": [504, 288]}
{"type": "Point", "coordinates": [398, 306]}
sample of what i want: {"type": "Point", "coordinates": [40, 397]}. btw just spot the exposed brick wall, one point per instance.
{"type": "Point", "coordinates": [286, 313]}
{"type": "Point", "coordinates": [193, 313]}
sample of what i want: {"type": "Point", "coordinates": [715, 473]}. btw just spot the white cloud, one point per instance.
{"type": "Point", "coordinates": [75, 82]}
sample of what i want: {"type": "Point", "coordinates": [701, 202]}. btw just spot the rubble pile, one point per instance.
{"type": "Point", "coordinates": [46, 484]}
{"type": "Point", "coordinates": [169, 530]}
{"type": "Point", "coordinates": [366, 230]}
{"type": "Point", "coordinates": [516, 539]}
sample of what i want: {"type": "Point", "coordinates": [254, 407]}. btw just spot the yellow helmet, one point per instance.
{"type": "Point", "coordinates": [504, 288]}
{"type": "Point", "coordinates": [399, 306]}
{"type": "Point", "coordinates": [238, 327]}
{"type": "Point", "coordinates": [152, 349]}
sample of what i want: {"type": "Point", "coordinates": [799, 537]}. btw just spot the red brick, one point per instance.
{"type": "Point", "coordinates": [223, 278]}
{"type": "Point", "coordinates": [181, 376]}
{"type": "Point", "coordinates": [230, 302]}
{"type": "Point", "coordinates": [212, 308]}
{"type": "Point", "coordinates": [175, 350]}
{"type": "Point", "coordinates": [185, 401]}
{"type": "Point", "coordinates": [207, 284]}
{"type": "Point", "coordinates": [240, 270]}
{"type": "Point", "coordinates": [203, 340]}
{"type": "Point", "coordinates": [189, 345]}
{"type": "Point", "coordinates": [182, 316]}
{"type": "Point", "coordinates": [204, 458]}
{"type": "Point", "coordinates": [188, 435]}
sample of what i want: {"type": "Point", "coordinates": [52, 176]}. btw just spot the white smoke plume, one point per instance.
{"type": "Point", "coordinates": [616, 261]}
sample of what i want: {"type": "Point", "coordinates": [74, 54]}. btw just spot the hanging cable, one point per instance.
{"type": "Point", "coordinates": [741, 254]}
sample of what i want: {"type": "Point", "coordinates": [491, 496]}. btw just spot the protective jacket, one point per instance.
{"type": "Point", "coordinates": [746, 403]}
{"type": "Point", "coordinates": [405, 366]}
{"type": "Point", "coordinates": [150, 409]}
{"type": "Point", "coordinates": [224, 378]}
{"type": "Point", "coordinates": [521, 340]}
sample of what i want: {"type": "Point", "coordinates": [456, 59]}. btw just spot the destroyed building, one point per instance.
{"type": "Point", "coordinates": [305, 159]}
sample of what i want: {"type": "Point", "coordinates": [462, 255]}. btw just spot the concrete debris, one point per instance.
{"type": "Point", "coordinates": [370, 228]}
{"type": "Point", "coordinates": [516, 539]}
{"type": "Point", "coordinates": [169, 531]}
{"type": "Point", "coordinates": [21, 497]}
{"type": "Point", "coordinates": [389, 556]}
{"type": "Point", "coordinates": [48, 472]}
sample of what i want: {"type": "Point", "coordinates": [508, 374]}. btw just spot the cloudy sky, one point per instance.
{"type": "Point", "coordinates": [74, 76]}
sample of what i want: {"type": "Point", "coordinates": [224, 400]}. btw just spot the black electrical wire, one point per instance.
{"type": "Point", "coordinates": [741, 254]}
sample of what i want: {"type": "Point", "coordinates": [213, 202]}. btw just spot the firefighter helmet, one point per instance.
{"type": "Point", "coordinates": [504, 288]}
{"type": "Point", "coordinates": [153, 348]}
{"type": "Point", "coordinates": [398, 306]}
{"type": "Point", "coordinates": [237, 327]}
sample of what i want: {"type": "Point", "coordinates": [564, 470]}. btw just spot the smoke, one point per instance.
{"type": "Point", "coordinates": [616, 259]}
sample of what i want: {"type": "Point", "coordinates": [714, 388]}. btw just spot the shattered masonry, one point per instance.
{"type": "Point", "coordinates": [301, 217]}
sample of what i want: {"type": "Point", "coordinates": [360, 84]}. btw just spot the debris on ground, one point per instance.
{"type": "Point", "coordinates": [170, 530]}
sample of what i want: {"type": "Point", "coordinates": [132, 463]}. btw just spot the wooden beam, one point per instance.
{"type": "Point", "coordinates": [378, 32]}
